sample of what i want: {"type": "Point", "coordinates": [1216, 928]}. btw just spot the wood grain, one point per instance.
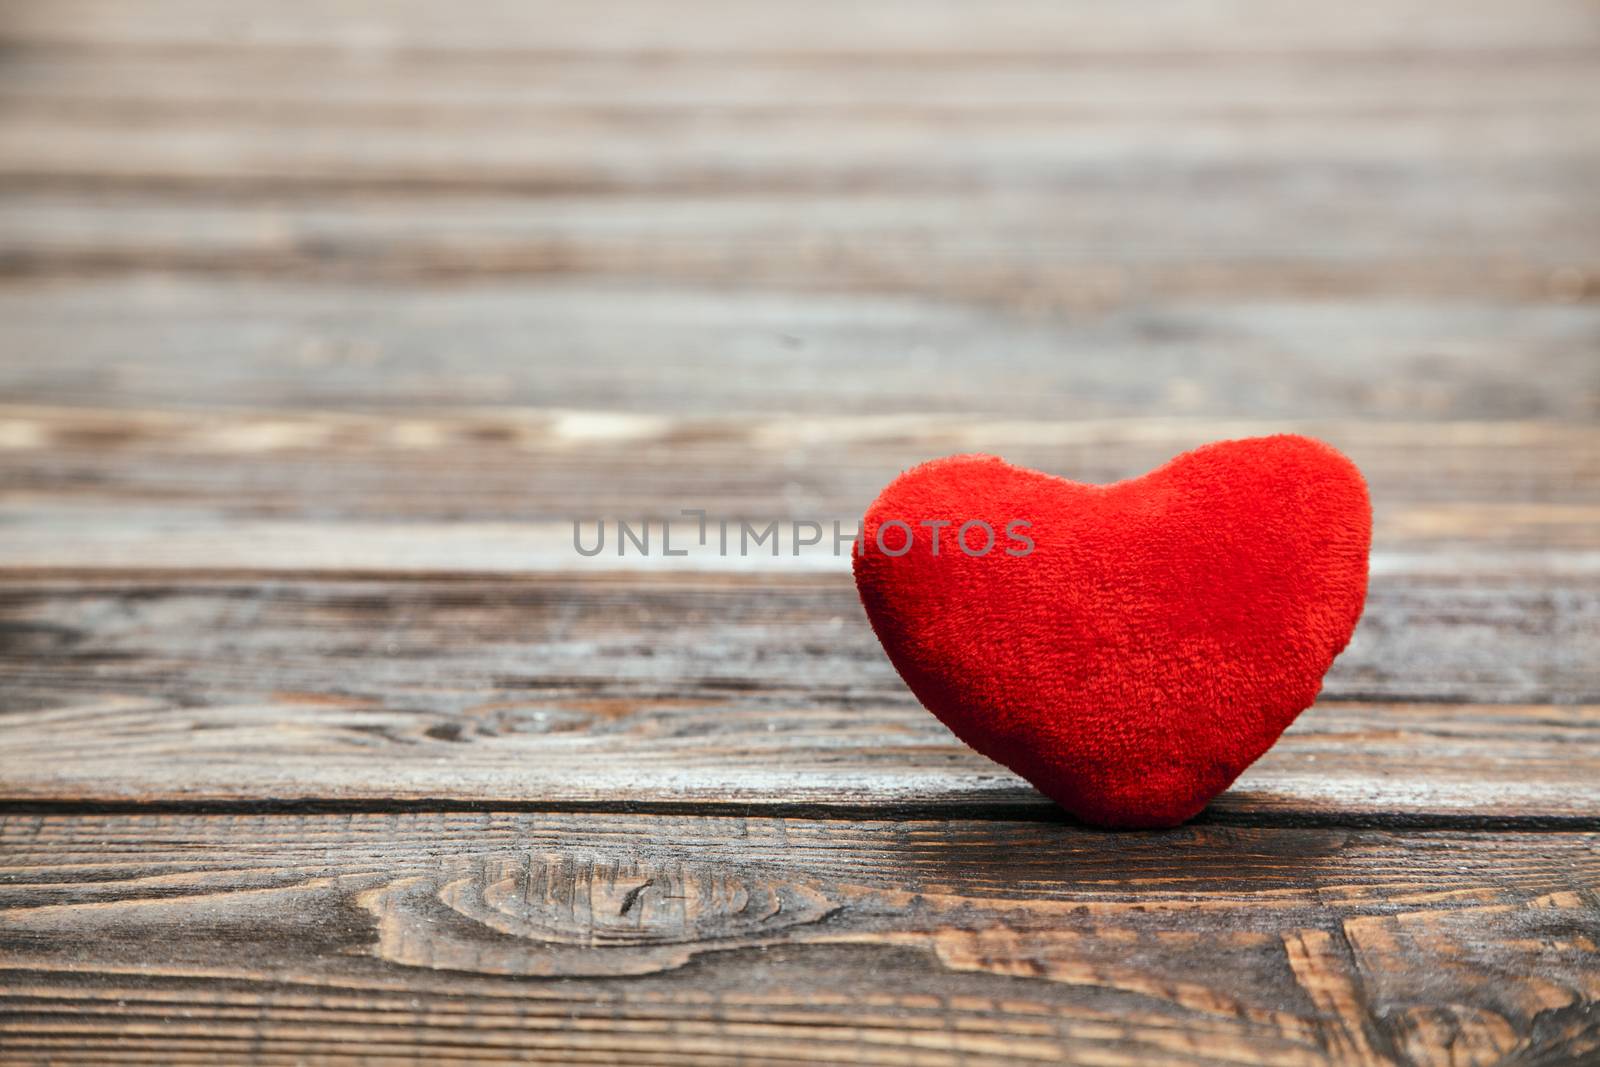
{"type": "Point", "coordinates": [379, 208]}
{"type": "Point", "coordinates": [577, 938]}
{"type": "Point", "coordinates": [153, 341]}
{"type": "Point", "coordinates": [900, 27]}
{"type": "Point", "coordinates": [558, 463]}
{"type": "Point", "coordinates": [714, 689]}
{"type": "Point", "coordinates": [1045, 248]}
{"type": "Point", "coordinates": [498, 490]}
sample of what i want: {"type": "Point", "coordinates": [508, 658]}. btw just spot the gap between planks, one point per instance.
{"type": "Point", "coordinates": [1041, 811]}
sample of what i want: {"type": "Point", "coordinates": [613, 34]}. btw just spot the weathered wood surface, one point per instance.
{"type": "Point", "coordinates": [1468, 698]}
{"type": "Point", "coordinates": [941, 30]}
{"type": "Point", "coordinates": [665, 940]}
{"type": "Point", "coordinates": [1047, 211]}
{"type": "Point", "coordinates": [644, 341]}
{"type": "Point", "coordinates": [1506, 484]}
{"type": "Point", "coordinates": [496, 490]}
{"type": "Point", "coordinates": [320, 323]}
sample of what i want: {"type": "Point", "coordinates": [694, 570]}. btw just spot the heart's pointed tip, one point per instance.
{"type": "Point", "coordinates": [1132, 797]}
{"type": "Point", "coordinates": [1134, 823]}
{"type": "Point", "coordinates": [1128, 819]}
{"type": "Point", "coordinates": [1158, 817]}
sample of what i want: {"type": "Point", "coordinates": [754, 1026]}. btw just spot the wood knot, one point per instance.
{"type": "Point", "coordinates": [582, 914]}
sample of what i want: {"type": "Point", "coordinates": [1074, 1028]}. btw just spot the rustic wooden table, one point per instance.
{"type": "Point", "coordinates": [319, 324]}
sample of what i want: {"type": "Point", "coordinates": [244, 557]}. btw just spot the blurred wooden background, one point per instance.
{"type": "Point", "coordinates": [320, 323]}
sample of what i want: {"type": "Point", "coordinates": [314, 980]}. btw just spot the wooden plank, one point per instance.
{"type": "Point", "coordinates": [834, 27]}
{"type": "Point", "coordinates": [578, 938]}
{"type": "Point", "coordinates": [1081, 245]}
{"type": "Point", "coordinates": [1038, 200]}
{"type": "Point", "coordinates": [757, 151]}
{"type": "Point", "coordinates": [425, 85]}
{"type": "Point", "coordinates": [749, 692]}
{"type": "Point", "coordinates": [153, 342]}
{"type": "Point", "coordinates": [75, 476]}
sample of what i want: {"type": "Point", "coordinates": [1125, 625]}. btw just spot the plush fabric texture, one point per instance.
{"type": "Point", "coordinates": [1158, 638]}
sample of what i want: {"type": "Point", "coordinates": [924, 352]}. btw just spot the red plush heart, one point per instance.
{"type": "Point", "coordinates": [1158, 637]}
